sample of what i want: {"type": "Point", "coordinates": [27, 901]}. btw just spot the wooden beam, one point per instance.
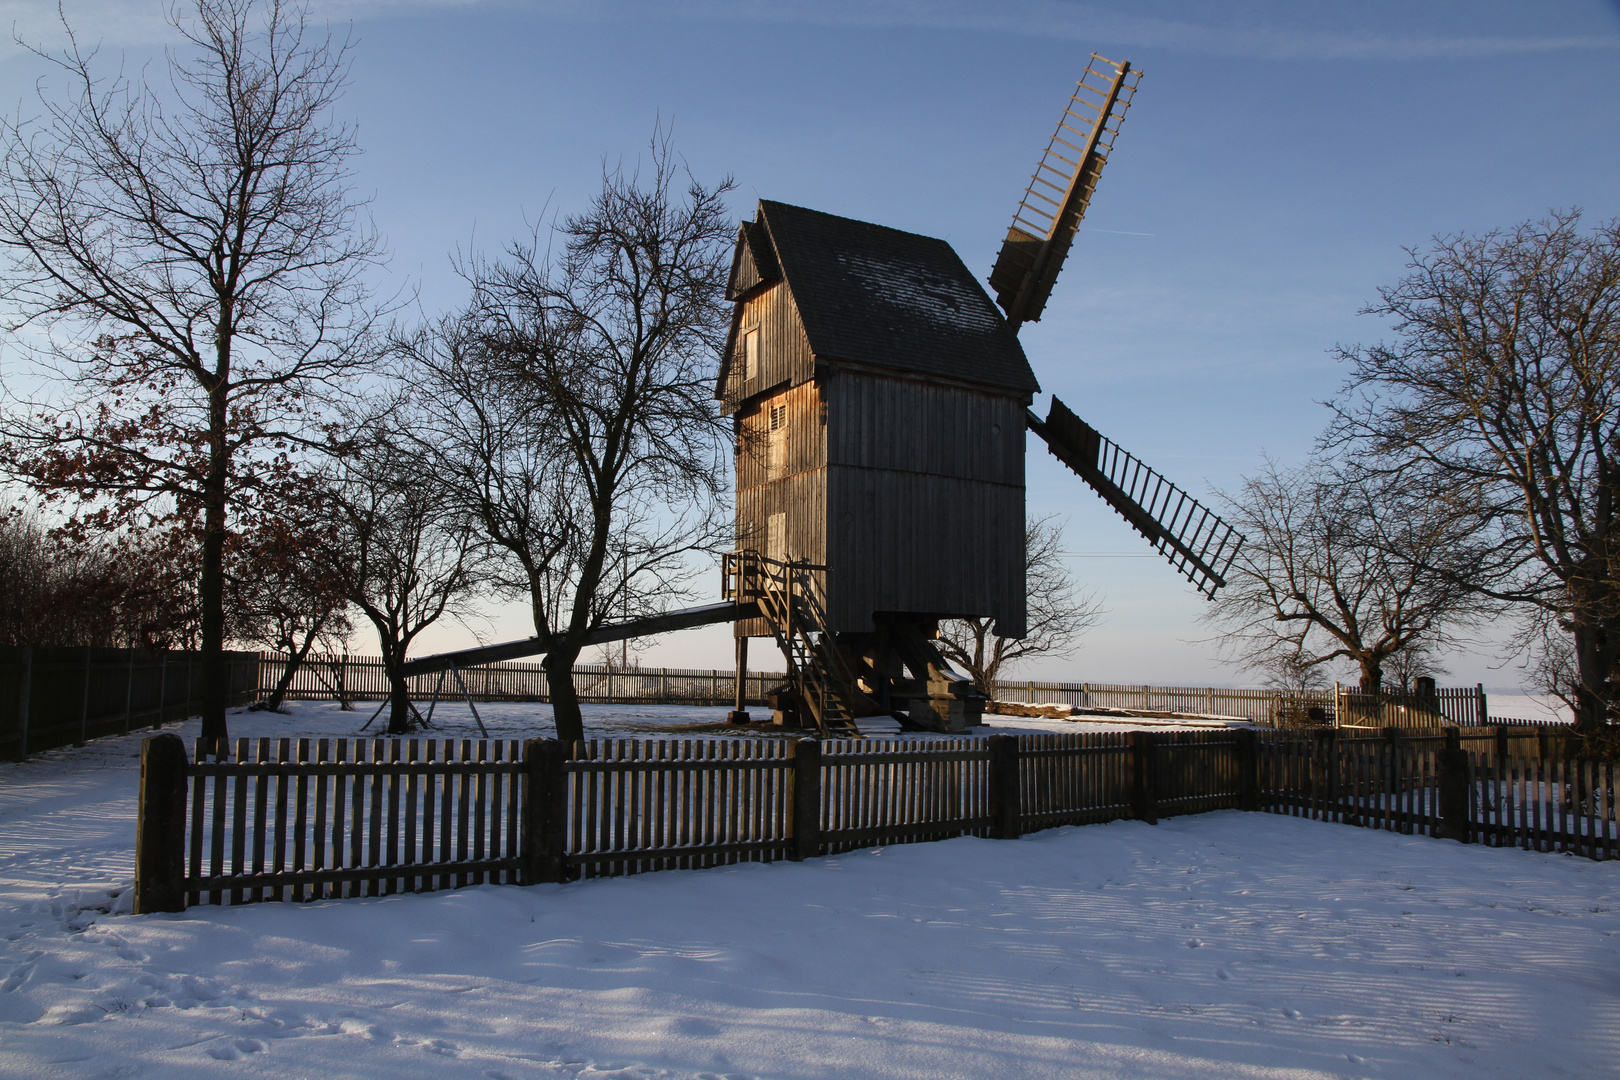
{"type": "Point", "coordinates": [667, 622]}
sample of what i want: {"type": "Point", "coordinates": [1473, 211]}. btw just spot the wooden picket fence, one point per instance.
{"type": "Point", "coordinates": [61, 696]}
{"type": "Point", "coordinates": [310, 819]}
{"type": "Point", "coordinates": [361, 678]}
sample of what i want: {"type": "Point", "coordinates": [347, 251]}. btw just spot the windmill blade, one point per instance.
{"type": "Point", "coordinates": [1049, 215]}
{"type": "Point", "coordinates": [1197, 542]}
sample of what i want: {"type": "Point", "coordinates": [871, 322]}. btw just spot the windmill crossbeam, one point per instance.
{"type": "Point", "coordinates": [1175, 523]}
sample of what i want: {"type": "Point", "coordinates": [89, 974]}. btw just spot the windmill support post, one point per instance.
{"type": "Point", "coordinates": [739, 710]}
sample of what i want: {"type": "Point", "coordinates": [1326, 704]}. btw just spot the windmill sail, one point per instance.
{"type": "Point", "coordinates": [1049, 215]}
{"type": "Point", "coordinates": [1197, 542]}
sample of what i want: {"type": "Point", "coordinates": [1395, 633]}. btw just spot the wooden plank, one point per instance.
{"type": "Point", "coordinates": [261, 814]}
{"type": "Point", "coordinates": [463, 813]}
{"type": "Point", "coordinates": [514, 811]}
{"type": "Point", "coordinates": [351, 769]}
{"type": "Point", "coordinates": [301, 822]}
{"type": "Point", "coordinates": [198, 822]}
{"type": "Point", "coordinates": [322, 749]}
{"type": "Point", "coordinates": [239, 808]}
{"type": "Point", "coordinates": [279, 848]}
{"type": "Point", "coordinates": [481, 802]}
{"type": "Point", "coordinates": [356, 876]}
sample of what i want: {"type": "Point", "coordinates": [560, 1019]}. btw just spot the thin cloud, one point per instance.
{"type": "Point", "coordinates": [1280, 32]}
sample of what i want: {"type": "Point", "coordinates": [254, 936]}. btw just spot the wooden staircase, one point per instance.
{"type": "Point", "coordinates": [790, 600]}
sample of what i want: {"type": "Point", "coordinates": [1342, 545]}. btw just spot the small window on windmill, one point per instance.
{"type": "Point", "coordinates": [778, 441]}
{"type": "Point", "coordinates": [750, 355]}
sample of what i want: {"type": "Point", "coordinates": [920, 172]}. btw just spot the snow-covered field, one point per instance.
{"type": "Point", "coordinates": [1226, 945]}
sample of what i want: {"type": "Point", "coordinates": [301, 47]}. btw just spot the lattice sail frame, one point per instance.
{"type": "Point", "coordinates": [1049, 215]}
{"type": "Point", "coordinates": [1192, 537]}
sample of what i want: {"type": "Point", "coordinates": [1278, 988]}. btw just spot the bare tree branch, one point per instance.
{"type": "Point", "coordinates": [1503, 391]}
{"type": "Point", "coordinates": [1058, 613]}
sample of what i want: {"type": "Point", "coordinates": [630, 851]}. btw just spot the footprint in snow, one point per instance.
{"type": "Point", "coordinates": [1194, 943]}
{"type": "Point", "coordinates": [1222, 974]}
{"type": "Point", "coordinates": [442, 1046]}
{"type": "Point", "coordinates": [237, 1050]}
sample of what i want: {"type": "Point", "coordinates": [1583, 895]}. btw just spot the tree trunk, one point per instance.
{"type": "Point", "coordinates": [295, 660]}
{"type": "Point", "coordinates": [399, 696]}
{"type": "Point", "coordinates": [1372, 676]}
{"type": "Point", "coordinates": [399, 706]}
{"type": "Point", "coordinates": [559, 665]}
{"type": "Point", "coordinates": [211, 586]}
{"type": "Point", "coordinates": [1594, 662]}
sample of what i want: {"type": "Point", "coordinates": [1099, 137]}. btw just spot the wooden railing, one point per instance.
{"type": "Point", "coordinates": [306, 819]}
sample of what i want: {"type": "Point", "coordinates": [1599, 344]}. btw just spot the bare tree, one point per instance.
{"type": "Point", "coordinates": [1058, 613]}
{"type": "Point", "coordinates": [615, 338]}
{"type": "Point", "coordinates": [129, 590]}
{"type": "Point", "coordinates": [1502, 393]}
{"type": "Point", "coordinates": [1339, 566]}
{"type": "Point", "coordinates": [396, 547]}
{"type": "Point", "coordinates": [193, 252]}
{"type": "Point", "coordinates": [484, 435]}
{"type": "Point", "coordinates": [283, 599]}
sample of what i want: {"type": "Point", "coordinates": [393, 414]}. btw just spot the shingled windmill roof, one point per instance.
{"type": "Point", "coordinates": [874, 295]}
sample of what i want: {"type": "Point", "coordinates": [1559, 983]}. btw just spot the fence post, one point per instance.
{"type": "Point", "coordinates": [160, 826]}
{"type": "Point", "coordinates": [1144, 777]}
{"type": "Point", "coordinates": [1005, 819]}
{"type": "Point", "coordinates": [1480, 706]}
{"type": "Point", "coordinates": [806, 799]}
{"type": "Point", "coordinates": [543, 836]}
{"type": "Point", "coordinates": [22, 699]}
{"type": "Point", "coordinates": [1328, 750]}
{"type": "Point", "coordinates": [1248, 744]}
{"type": "Point", "coordinates": [1455, 810]}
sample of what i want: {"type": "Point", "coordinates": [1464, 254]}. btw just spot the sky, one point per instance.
{"type": "Point", "coordinates": [1277, 160]}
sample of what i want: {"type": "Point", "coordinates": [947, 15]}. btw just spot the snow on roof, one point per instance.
{"type": "Point", "coordinates": [874, 295]}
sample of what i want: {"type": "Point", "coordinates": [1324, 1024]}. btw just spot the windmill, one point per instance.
{"type": "Point", "coordinates": [880, 401]}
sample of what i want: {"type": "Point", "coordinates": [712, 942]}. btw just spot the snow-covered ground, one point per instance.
{"type": "Point", "coordinates": [1225, 945]}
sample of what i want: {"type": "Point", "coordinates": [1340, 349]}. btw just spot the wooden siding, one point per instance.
{"type": "Point", "coordinates": [933, 545]}
{"type": "Point", "coordinates": [783, 471]}
{"type": "Point", "coordinates": [745, 273]}
{"type": "Point", "coordinates": [925, 501]}
{"type": "Point", "coordinates": [784, 350]}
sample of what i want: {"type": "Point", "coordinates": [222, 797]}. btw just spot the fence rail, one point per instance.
{"type": "Point", "coordinates": [56, 696]}
{"type": "Point", "coordinates": [306, 819]}
{"type": "Point", "coordinates": [362, 678]}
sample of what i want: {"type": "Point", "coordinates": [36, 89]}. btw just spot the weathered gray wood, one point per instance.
{"type": "Point", "coordinates": [804, 795]}
{"type": "Point", "coordinates": [160, 826]}
{"type": "Point", "coordinates": [1005, 804]}
{"type": "Point", "coordinates": [1456, 817]}
{"type": "Point", "coordinates": [1144, 776]}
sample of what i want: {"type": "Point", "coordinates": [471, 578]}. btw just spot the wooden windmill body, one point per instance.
{"type": "Point", "coordinates": [880, 401]}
